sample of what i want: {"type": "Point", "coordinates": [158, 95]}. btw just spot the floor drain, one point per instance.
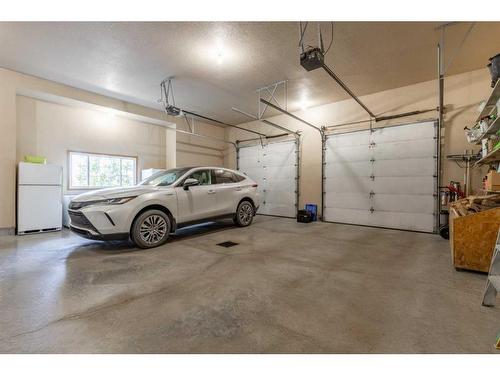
{"type": "Point", "coordinates": [227, 244]}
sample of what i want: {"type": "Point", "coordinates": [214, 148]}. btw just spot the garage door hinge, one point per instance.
{"type": "Point", "coordinates": [372, 160]}
{"type": "Point", "coordinates": [372, 144]}
{"type": "Point", "coordinates": [372, 177]}
{"type": "Point", "coordinates": [372, 210]}
{"type": "Point", "coordinates": [372, 193]}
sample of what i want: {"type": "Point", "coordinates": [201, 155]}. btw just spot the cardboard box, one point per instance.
{"type": "Point", "coordinates": [492, 182]}
{"type": "Point", "coordinates": [473, 238]}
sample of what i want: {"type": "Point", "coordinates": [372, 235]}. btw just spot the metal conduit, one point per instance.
{"type": "Point", "coordinates": [222, 123]}
{"type": "Point", "coordinates": [346, 89]}
{"type": "Point", "coordinates": [264, 121]}
{"type": "Point", "coordinates": [205, 136]}
{"type": "Point", "coordinates": [291, 115]}
{"type": "Point", "coordinates": [268, 137]}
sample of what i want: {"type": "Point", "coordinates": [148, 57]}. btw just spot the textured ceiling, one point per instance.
{"type": "Point", "coordinates": [220, 65]}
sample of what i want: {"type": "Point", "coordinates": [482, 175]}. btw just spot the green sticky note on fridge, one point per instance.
{"type": "Point", "coordinates": [35, 159]}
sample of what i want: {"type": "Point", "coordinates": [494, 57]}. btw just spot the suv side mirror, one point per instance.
{"type": "Point", "coordinates": [190, 182]}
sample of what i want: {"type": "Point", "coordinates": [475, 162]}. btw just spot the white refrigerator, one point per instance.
{"type": "Point", "coordinates": [39, 198]}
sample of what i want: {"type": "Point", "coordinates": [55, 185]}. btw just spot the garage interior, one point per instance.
{"type": "Point", "coordinates": [387, 132]}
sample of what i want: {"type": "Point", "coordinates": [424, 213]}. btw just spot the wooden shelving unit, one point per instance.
{"type": "Point", "coordinates": [491, 130]}
{"type": "Point", "coordinates": [489, 107]}
{"type": "Point", "coordinates": [491, 102]}
{"type": "Point", "coordinates": [492, 157]}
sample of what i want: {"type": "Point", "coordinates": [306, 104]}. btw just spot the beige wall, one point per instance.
{"type": "Point", "coordinates": [52, 130]}
{"type": "Point", "coordinates": [462, 95]}
{"type": "Point", "coordinates": [192, 150]}
{"type": "Point", "coordinates": [33, 132]}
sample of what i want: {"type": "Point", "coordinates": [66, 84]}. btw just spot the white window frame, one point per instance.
{"type": "Point", "coordinates": [85, 153]}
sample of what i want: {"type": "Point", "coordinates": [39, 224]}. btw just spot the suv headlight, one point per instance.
{"type": "Point", "coordinates": [80, 205]}
{"type": "Point", "coordinates": [117, 200]}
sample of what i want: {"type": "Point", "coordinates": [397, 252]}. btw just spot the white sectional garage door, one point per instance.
{"type": "Point", "coordinates": [274, 168]}
{"type": "Point", "coordinates": [385, 178]}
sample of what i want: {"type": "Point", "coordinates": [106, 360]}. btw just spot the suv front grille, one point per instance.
{"type": "Point", "coordinates": [79, 219]}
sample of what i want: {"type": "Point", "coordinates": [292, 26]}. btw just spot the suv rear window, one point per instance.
{"type": "Point", "coordinates": [222, 176]}
{"type": "Point", "coordinates": [238, 177]}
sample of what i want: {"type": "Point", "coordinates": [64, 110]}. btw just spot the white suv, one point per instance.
{"type": "Point", "coordinates": [149, 212]}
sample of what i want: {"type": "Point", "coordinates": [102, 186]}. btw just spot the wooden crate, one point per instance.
{"type": "Point", "coordinates": [472, 239]}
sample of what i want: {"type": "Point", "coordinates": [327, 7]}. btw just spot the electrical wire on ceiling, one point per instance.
{"type": "Point", "coordinates": [459, 48]}
{"type": "Point", "coordinates": [331, 39]}
{"type": "Point", "coordinates": [302, 32]}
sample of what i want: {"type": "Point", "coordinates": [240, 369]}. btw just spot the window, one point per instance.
{"type": "Point", "coordinates": [166, 178]}
{"type": "Point", "coordinates": [204, 176]}
{"type": "Point", "coordinates": [89, 171]}
{"type": "Point", "coordinates": [224, 177]}
{"type": "Point", "coordinates": [238, 177]}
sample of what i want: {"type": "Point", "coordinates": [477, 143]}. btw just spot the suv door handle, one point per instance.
{"type": "Point", "coordinates": [238, 188]}
{"type": "Point", "coordinates": [211, 192]}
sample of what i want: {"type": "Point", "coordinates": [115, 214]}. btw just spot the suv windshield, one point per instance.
{"type": "Point", "coordinates": [165, 178]}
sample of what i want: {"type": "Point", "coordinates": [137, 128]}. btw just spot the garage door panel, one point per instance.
{"type": "Point", "coordinates": [351, 169]}
{"type": "Point", "coordinates": [281, 172]}
{"type": "Point", "coordinates": [412, 132]}
{"type": "Point", "coordinates": [348, 154]}
{"type": "Point", "coordinates": [401, 162]}
{"type": "Point", "coordinates": [349, 139]}
{"type": "Point", "coordinates": [359, 201]}
{"type": "Point", "coordinates": [402, 150]}
{"type": "Point", "coordinates": [404, 203]}
{"type": "Point", "coordinates": [348, 185]}
{"type": "Point", "coordinates": [279, 153]}
{"type": "Point", "coordinates": [350, 216]}
{"type": "Point", "coordinates": [278, 197]}
{"type": "Point", "coordinates": [251, 155]}
{"type": "Point", "coordinates": [403, 220]}
{"type": "Point", "coordinates": [271, 160]}
{"type": "Point", "coordinates": [273, 167]}
{"type": "Point", "coordinates": [279, 185]}
{"type": "Point", "coordinates": [276, 210]}
{"type": "Point", "coordinates": [407, 185]}
{"type": "Point", "coordinates": [247, 162]}
{"type": "Point", "coordinates": [404, 167]}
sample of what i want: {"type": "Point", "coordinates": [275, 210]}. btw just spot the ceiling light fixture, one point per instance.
{"type": "Point", "coordinates": [304, 103]}
{"type": "Point", "coordinates": [219, 56]}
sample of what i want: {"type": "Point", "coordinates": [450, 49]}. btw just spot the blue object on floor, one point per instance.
{"type": "Point", "coordinates": [313, 209]}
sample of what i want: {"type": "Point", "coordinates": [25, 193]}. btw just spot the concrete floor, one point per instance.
{"type": "Point", "coordinates": [288, 287]}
